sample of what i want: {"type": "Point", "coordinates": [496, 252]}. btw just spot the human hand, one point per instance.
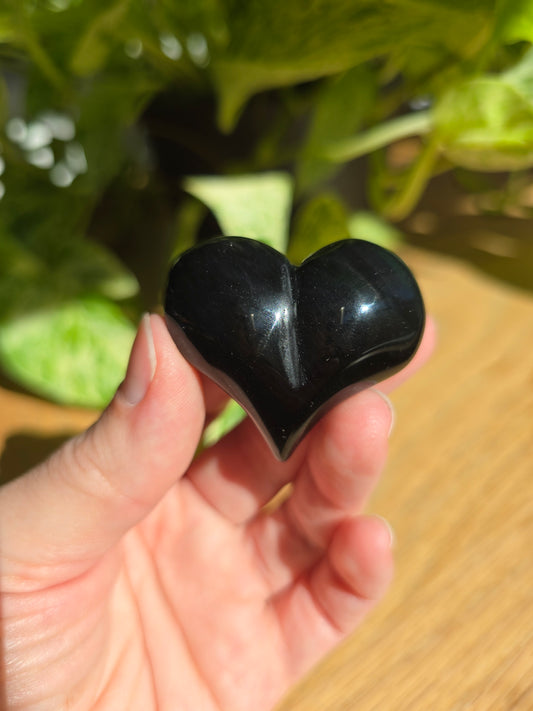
{"type": "Point", "coordinates": [131, 578]}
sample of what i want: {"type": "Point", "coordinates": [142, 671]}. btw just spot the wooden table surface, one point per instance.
{"type": "Point", "coordinates": [456, 630]}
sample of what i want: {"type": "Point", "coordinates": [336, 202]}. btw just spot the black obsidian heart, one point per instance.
{"type": "Point", "coordinates": [288, 342]}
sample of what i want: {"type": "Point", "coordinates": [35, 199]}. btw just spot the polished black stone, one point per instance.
{"type": "Point", "coordinates": [289, 342]}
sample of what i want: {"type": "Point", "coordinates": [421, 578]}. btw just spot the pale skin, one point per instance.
{"type": "Point", "coordinates": [135, 576]}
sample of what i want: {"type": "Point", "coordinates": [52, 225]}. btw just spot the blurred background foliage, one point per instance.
{"type": "Point", "coordinates": [130, 129]}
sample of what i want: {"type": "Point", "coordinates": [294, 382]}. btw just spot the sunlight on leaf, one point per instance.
{"type": "Point", "coordinates": [515, 19]}
{"type": "Point", "coordinates": [75, 353]}
{"type": "Point", "coordinates": [486, 123]}
{"type": "Point", "coordinates": [280, 43]}
{"type": "Point", "coordinates": [255, 206]}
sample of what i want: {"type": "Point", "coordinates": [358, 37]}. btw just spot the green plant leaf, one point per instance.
{"type": "Point", "coordinates": [229, 418]}
{"type": "Point", "coordinates": [75, 353]}
{"type": "Point", "coordinates": [371, 227]}
{"type": "Point", "coordinates": [338, 112]}
{"type": "Point", "coordinates": [256, 206]}
{"type": "Point", "coordinates": [322, 220]}
{"type": "Point", "coordinates": [414, 124]}
{"type": "Point", "coordinates": [4, 103]}
{"type": "Point", "coordinates": [7, 27]}
{"type": "Point", "coordinates": [514, 20]}
{"type": "Point", "coordinates": [486, 123]}
{"type": "Point", "coordinates": [21, 276]}
{"type": "Point", "coordinates": [94, 46]}
{"type": "Point", "coordinates": [279, 43]}
{"type": "Point", "coordinates": [87, 267]}
{"type": "Point", "coordinates": [69, 269]}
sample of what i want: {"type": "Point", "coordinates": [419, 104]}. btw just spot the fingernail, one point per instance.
{"type": "Point", "coordinates": [391, 408]}
{"type": "Point", "coordinates": [392, 535]}
{"type": "Point", "coordinates": [142, 364]}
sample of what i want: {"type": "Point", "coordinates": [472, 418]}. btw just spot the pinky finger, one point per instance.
{"type": "Point", "coordinates": [324, 606]}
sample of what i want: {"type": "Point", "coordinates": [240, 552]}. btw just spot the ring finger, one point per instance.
{"type": "Point", "coordinates": [344, 460]}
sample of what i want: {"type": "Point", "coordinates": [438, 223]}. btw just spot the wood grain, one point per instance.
{"type": "Point", "coordinates": [31, 428]}
{"type": "Point", "coordinates": [456, 630]}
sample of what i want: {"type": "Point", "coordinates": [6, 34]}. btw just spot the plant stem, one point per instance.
{"type": "Point", "coordinates": [401, 204]}
{"type": "Point", "coordinates": [414, 124]}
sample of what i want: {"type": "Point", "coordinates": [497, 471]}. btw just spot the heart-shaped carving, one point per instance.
{"type": "Point", "coordinates": [288, 342]}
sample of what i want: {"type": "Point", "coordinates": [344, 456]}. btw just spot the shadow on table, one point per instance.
{"type": "Point", "coordinates": [452, 222]}
{"type": "Point", "coordinates": [498, 246]}
{"type": "Point", "coordinates": [23, 451]}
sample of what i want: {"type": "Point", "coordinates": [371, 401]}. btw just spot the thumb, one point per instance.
{"type": "Point", "coordinates": [75, 506]}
